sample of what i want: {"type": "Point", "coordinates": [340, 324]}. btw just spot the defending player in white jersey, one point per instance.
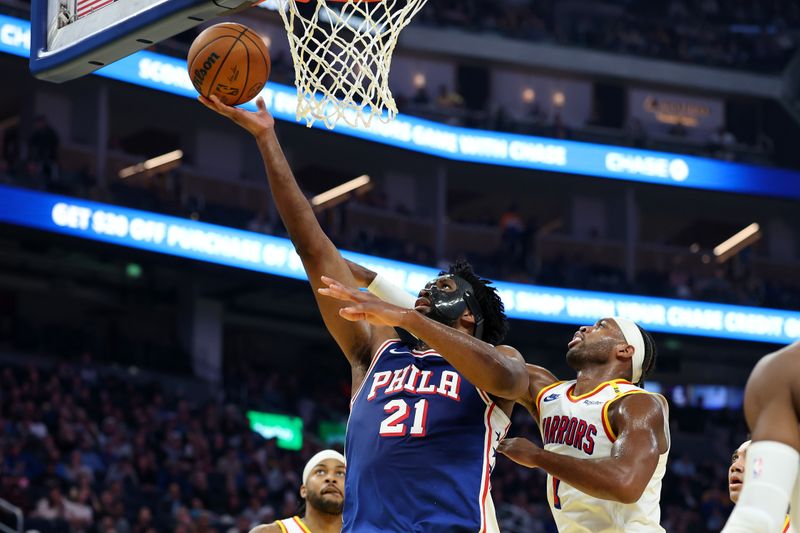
{"type": "Point", "coordinates": [323, 492]}
{"type": "Point", "coordinates": [606, 439]}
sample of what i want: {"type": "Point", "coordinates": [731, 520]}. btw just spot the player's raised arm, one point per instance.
{"type": "Point", "coordinates": [319, 255]}
{"type": "Point", "coordinates": [638, 423]}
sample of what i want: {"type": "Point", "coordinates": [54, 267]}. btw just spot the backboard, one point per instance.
{"type": "Point", "coordinates": [71, 38]}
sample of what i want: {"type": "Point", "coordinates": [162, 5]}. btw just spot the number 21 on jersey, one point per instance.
{"type": "Point", "coordinates": [394, 425]}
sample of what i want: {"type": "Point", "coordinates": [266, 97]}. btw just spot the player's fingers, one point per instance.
{"type": "Point", "coordinates": [327, 280]}
{"type": "Point", "coordinates": [222, 108]}
{"type": "Point", "coordinates": [343, 291]}
{"type": "Point", "coordinates": [506, 446]}
{"type": "Point", "coordinates": [206, 102]}
{"type": "Point", "coordinates": [260, 104]}
{"type": "Point", "coordinates": [353, 313]}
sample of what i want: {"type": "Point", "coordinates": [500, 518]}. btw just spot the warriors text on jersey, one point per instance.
{"type": "Point", "coordinates": [420, 447]}
{"type": "Point", "coordinates": [578, 426]}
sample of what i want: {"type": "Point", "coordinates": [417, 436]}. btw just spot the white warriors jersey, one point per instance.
{"type": "Point", "coordinates": [292, 525]}
{"type": "Point", "coordinates": [578, 426]}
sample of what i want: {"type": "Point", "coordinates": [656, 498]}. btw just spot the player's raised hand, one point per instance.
{"type": "Point", "coordinates": [521, 451]}
{"type": "Point", "coordinates": [256, 122]}
{"type": "Point", "coordinates": [365, 306]}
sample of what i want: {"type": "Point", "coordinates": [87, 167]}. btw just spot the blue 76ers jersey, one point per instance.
{"type": "Point", "coordinates": [420, 447]}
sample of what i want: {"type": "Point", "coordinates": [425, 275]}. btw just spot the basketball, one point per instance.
{"type": "Point", "coordinates": [229, 60]}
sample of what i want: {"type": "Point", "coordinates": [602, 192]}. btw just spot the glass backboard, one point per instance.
{"type": "Point", "coordinates": [71, 38]}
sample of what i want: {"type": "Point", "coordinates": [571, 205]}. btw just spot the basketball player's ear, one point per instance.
{"type": "Point", "coordinates": [625, 351]}
{"type": "Point", "coordinates": [303, 491]}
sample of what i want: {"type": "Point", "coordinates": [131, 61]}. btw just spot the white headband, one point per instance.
{"type": "Point", "coordinates": [324, 455]}
{"type": "Point", "coordinates": [633, 336]}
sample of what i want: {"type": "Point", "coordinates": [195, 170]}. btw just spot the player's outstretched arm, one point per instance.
{"type": "Point", "coordinates": [497, 370]}
{"type": "Point", "coordinates": [638, 420]}
{"type": "Point", "coordinates": [538, 377]}
{"type": "Point", "coordinates": [319, 255]}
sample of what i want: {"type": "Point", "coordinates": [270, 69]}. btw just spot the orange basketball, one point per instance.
{"type": "Point", "coordinates": [229, 60]}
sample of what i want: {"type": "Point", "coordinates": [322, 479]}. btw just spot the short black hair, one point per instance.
{"type": "Point", "coordinates": [495, 322]}
{"type": "Point", "coordinates": [650, 353]}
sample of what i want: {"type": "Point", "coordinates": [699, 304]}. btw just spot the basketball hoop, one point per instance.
{"type": "Point", "coordinates": [342, 52]}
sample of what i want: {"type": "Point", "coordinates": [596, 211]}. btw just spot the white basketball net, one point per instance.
{"type": "Point", "coordinates": [342, 52]}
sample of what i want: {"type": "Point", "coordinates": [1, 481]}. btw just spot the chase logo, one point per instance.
{"type": "Point", "coordinates": [655, 167]}
{"type": "Point", "coordinates": [551, 397]}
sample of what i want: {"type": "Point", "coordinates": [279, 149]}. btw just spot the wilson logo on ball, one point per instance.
{"type": "Point", "coordinates": [201, 73]}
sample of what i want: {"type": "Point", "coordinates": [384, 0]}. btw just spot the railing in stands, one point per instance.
{"type": "Point", "coordinates": [19, 521]}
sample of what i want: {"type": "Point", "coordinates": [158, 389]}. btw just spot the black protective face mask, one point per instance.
{"type": "Point", "coordinates": [447, 307]}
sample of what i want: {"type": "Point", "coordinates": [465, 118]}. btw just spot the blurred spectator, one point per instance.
{"type": "Point", "coordinates": [421, 97]}
{"type": "Point", "coordinates": [224, 478]}
{"type": "Point", "coordinates": [512, 234]}
{"type": "Point", "coordinates": [448, 98]}
{"type": "Point", "coordinates": [43, 148]}
{"type": "Point", "coordinates": [11, 149]}
{"type": "Point", "coordinates": [637, 134]}
{"type": "Point", "coordinates": [727, 33]}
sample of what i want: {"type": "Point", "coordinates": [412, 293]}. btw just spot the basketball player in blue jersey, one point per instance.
{"type": "Point", "coordinates": [426, 416]}
{"type": "Point", "coordinates": [772, 463]}
{"type": "Point", "coordinates": [606, 439]}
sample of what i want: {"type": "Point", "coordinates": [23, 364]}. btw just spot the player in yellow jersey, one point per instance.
{"type": "Point", "coordinates": [736, 480]}
{"type": "Point", "coordinates": [323, 492]}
